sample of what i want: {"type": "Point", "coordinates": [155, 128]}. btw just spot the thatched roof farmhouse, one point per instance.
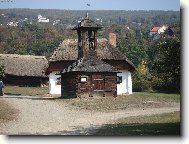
{"type": "Point", "coordinates": [24, 69]}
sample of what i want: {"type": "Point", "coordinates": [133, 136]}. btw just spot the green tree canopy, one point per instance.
{"type": "Point", "coordinates": [166, 65]}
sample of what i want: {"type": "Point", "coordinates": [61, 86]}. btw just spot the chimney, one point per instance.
{"type": "Point", "coordinates": [112, 40]}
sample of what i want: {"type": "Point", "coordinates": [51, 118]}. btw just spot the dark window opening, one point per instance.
{"type": "Point", "coordinates": [119, 79]}
{"type": "Point", "coordinates": [58, 81]}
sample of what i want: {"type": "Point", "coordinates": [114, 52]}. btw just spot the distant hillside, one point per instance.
{"type": "Point", "coordinates": [108, 17]}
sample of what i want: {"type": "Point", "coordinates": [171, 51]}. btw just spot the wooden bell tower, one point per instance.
{"type": "Point", "coordinates": [87, 36]}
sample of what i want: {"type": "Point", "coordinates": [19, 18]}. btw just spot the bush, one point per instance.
{"type": "Point", "coordinates": [141, 79]}
{"type": "Point", "coordinates": [141, 83]}
{"type": "Point", "coordinates": [164, 85]}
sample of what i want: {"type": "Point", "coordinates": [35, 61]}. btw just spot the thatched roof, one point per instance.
{"type": "Point", "coordinates": [24, 65]}
{"type": "Point", "coordinates": [90, 63]}
{"type": "Point", "coordinates": [68, 50]}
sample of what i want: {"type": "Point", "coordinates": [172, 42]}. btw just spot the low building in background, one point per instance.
{"type": "Point", "coordinates": [24, 70]}
{"type": "Point", "coordinates": [42, 19]}
{"type": "Point", "coordinates": [158, 29]}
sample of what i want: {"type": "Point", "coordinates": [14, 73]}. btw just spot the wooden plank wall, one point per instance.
{"type": "Point", "coordinates": [68, 85]}
{"type": "Point", "coordinates": [97, 84]}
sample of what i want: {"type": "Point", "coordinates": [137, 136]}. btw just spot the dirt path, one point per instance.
{"type": "Point", "coordinates": [46, 117]}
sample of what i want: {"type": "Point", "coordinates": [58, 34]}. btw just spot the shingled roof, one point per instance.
{"type": "Point", "coordinates": [24, 65]}
{"type": "Point", "coordinates": [90, 63]}
{"type": "Point", "coordinates": [68, 50]}
{"type": "Point", "coordinates": [87, 23]}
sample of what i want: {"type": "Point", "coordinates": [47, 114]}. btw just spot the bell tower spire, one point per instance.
{"type": "Point", "coordinates": [87, 15]}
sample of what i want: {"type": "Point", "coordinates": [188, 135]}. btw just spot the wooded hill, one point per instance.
{"type": "Point", "coordinates": [31, 37]}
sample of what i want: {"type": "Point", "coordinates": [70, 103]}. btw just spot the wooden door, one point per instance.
{"type": "Point", "coordinates": [98, 82]}
{"type": "Point", "coordinates": [110, 83]}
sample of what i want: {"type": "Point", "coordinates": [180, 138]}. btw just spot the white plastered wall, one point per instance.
{"type": "Point", "coordinates": [162, 29]}
{"type": "Point", "coordinates": [53, 87]}
{"type": "Point", "coordinates": [126, 86]}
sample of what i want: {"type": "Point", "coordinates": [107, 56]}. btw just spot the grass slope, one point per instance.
{"type": "Point", "coordinates": [161, 125]}
{"type": "Point", "coordinates": [141, 100]}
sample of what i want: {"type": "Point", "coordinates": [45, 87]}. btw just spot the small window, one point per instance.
{"type": "Point", "coordinates": [83, 79]}
{"type": "Point", "coordinates": [119, 79]}
{"type": "Point", "coordinates": [58, 81]}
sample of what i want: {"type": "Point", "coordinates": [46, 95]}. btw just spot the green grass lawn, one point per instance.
{"type": "Point", "coordinates": [29, 91]}
{"type": "Point", "coordinates": [155, 125]}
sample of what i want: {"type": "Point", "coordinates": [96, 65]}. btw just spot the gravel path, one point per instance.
{"type": "Point", "coordinates": [42, 116]}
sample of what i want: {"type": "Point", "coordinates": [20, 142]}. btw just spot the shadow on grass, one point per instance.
{"type": "Point", "coordinates": [131, 130]}
{"type": "Point", "coordinates": [77, 131]}
{"type": "Point", "coordinates": [28, 97]}
{"type": "Point", "coordinates": [147, 129]}
{"type": "Point", "coordinates": [19, 96]}
{"type": "Point", "coordinates": [12, 94]}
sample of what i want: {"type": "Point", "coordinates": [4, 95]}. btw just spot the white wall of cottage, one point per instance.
{"type": "Point", "coordinates": [126, 86]}
{"type": "Point", "coordinates": [53, 87]}
{"type": "Point", "coordinates": [162, 29]}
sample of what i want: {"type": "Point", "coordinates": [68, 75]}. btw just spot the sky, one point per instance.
{"type": "Point", "coordinates": [94, 4]}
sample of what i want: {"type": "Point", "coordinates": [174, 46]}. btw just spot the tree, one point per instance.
{"type": "Point", "coordinates": [142, 78]}
{"type": "Point", "coordinates": [133, 45]}
{"type": "Point", "coordinates": [166, 65]}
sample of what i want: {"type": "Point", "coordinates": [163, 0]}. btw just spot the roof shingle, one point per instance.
{"type": "Point", "coordinates": [155, 29]}
{"type": "Point", "coordinates": [90, 63]}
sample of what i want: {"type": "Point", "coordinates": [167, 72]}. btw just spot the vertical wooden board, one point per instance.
{"type": "Point", "coordinates": [98, 82]}
{"type": "Point", "coordinates": [110, 83]}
